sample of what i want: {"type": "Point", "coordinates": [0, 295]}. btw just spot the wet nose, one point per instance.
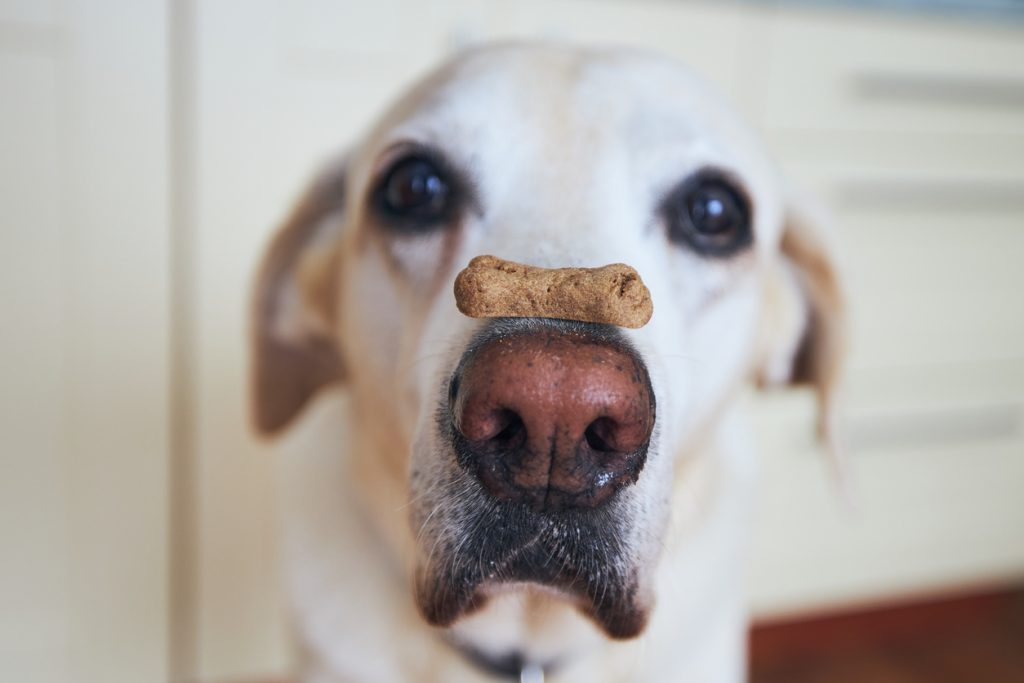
{"type": "Point", "coordinates": [551, 419]}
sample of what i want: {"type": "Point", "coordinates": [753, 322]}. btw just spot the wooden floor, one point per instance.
{"type": "Point", "coordinates": [977, 639]}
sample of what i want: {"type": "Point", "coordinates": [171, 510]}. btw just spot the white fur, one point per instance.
{"type": "Point", "coordinates": [571, 152]}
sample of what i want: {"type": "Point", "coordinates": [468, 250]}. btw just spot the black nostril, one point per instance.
{"type": "Point", "coordinates": [598, 435]}
{"type": "Point", "coordinates": [513, 428]}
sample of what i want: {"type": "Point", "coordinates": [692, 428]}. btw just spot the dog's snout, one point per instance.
{"type": "Point", "coordinates": [552, 420]}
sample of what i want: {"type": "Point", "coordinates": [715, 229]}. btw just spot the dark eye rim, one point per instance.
{"type": "Point", "coordinates": [456, 199]}
{"type": "Point", "coordinates": [681, 229]}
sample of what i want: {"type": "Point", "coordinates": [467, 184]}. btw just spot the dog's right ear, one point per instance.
{"type": "Point", "coordinates": [294, 310]}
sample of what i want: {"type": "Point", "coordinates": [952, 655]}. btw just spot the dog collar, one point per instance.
{"type": "Point", "coordinates": [512, 666]}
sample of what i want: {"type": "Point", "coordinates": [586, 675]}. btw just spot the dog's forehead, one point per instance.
{"type": "Point", "coordinates": [512, 98]}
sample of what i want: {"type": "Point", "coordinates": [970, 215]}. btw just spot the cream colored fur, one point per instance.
{"type": "Point", "coordinates": [570, 150]}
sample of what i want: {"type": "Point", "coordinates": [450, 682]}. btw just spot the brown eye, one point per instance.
{"type": "Point", "coordinates": [415, 190]}
{"type": "Point", "coordinates": [708, 214]}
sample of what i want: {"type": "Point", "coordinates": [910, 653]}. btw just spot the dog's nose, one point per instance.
{"type": "Point", "coordinates": [551, 419]}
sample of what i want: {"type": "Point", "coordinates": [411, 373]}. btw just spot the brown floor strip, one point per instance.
{"type": "Point", "coordinates": [972, 639]}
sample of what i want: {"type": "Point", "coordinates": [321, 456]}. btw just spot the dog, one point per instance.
{"type": "Point", "coordinates": [535, 498]}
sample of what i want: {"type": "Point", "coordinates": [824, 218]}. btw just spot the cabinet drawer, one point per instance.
{"type": "Point", "coordinates": [839, 71]}
{"type": "Point", "coordinates": [933, 286]}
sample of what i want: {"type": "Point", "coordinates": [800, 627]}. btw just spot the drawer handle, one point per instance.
{"type": "Point", "coordinates": [928, 89]}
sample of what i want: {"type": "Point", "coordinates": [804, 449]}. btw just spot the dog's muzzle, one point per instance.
{"type": "Point", "coordinates": [549, 423]}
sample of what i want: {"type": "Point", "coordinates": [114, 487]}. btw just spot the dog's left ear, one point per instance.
{"type": "Point", "coordinates": [294, 353]}
{"type": "Point", "coordinates": [805, 317]}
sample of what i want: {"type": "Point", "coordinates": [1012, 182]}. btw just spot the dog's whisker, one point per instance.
{"type": "Point", "coordinates": [426, 521]}
{"type": "Point", "coordinates": [462, 501]}
{"type": "Point", "coordinates": [565, 554]}
{"type": "Point", "coordinates": [428, 565]}
{"type": "Point", "coordinates": [549, 556]}
{"type": "Point", "coordinates": [413, 500]}
{"type": "Point", "coordinates": [429, 491]}
{"type": "Point", "coordinates": [604, 589]}
{"type": "Point", "coordinates": [467, 536]}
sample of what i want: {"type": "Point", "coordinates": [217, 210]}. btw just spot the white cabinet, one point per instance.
{"type": "Point", "coordinates": [913, 132]}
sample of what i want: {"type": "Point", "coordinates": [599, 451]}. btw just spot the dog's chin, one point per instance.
{"type": "Point", "coordinates": [616, 612]}
{"type": "Point", "coordinates": [522, 623]}
{"type": "Point", "coordinates": [621, 619]}
{"type": "Point", "coordinates": [567, 561]}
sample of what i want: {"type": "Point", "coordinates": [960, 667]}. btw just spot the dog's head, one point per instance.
{"type": "Point", "coordinates": [538, 457]}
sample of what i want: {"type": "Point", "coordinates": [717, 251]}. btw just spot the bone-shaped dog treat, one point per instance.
{"type": "Point", "coordinates": [490, 287]}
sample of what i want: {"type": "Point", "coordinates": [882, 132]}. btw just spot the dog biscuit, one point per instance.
{"type": "Point", "coordinates": [490, 287]}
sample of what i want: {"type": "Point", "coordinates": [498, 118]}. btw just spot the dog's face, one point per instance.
{"type": "Point", "coordinates": [527, 475]}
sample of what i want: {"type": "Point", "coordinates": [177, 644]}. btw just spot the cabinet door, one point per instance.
{"type": "Point", "coordinates": [84, 290]}
{"type": "Point", "coordinates": [913, 133]}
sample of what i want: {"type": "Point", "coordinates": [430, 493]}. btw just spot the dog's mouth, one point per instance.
{"type": "Point", "coordinates": [576, 557]}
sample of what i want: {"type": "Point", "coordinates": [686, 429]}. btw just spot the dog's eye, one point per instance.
{"type": "Point", "coordinates": [710, 215]}
{"type": "Point", "coordinates": [415, 189]}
